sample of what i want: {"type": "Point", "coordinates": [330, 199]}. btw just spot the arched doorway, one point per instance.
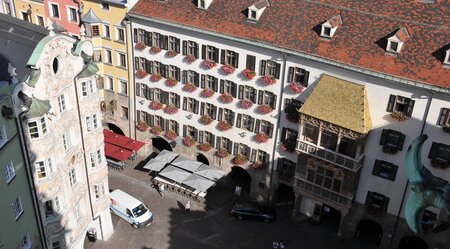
{"type": "Point", "coordinates": [202, 158]}
{"type": "Point", "coordinates": [240, 177]}
{"type": "Point", "coordinates": [114, 128]}
{"type": "Point", "coordinates": [370, 232]}
{"type": "Point", "coordinates": [161, 144]}
{"type": "Point", "coordinates": [412, 242]}
{"type": "Point", "coordinates": [285, 194]}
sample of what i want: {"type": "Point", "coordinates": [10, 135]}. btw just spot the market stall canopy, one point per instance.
{"type": "Point", "coordinates": [166, 156]}
{"type": "Point", "coordinates": [186, 163]}
{"type": "Point", "coordinates": [155, 165]}
{"type": "Point", "coordinates": [175, 174]}
{"type": "Point", "coordinates": [198, 182]}
{"type": "Point", "coordinates": [117, 152]}
{"type": "Point", "coordinates": [210, 172]}
{"type": "Point", "coordinates": [122, 141]}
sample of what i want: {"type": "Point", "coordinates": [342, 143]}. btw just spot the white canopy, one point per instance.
{"type": "Point", "coordinates": [198, 182]}
{"type": "Point", "coordinates": [186, 163]}
{"type": "Point", "coordinates": [155, 165]}
{"type": "Point", "coordinates": [175, 174]}
{"type": "Point", "coordinates": [209, 172]}
{"type": "Point", "coordinates": [166, 156]}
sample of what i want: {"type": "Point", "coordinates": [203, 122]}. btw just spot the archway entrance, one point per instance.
{"type": "Point", "coordinates": [285, 194]}
{"type": "Point", "coordinates": [160, 144]}
{"type": "Point", "coordinates": [412, 242]}
{"type": "Point", "coordinates": [240, 177]}
{"type": "Point", "coordinates": [202, 158]}
{"type": "Point", "coordinates": [114, 128]}
{"type": "Point", "coordinates": [369, 231]}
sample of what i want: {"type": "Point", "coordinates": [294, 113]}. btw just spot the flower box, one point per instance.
{"type": "Point", "coordinates": [226, 98]}
{"type": "Point", "coordinates": [188, 141]}
{"type": "Point", "coordinates": [261, 137]}
{"type": "Point", "coordinates": [190, 58]}
{"type": "Point", "coordinates": [399, 116]}
{"type": "Point", "coordinates": [170, 109]}
{"type": "Point", "coordinates": [206, 120]}
{"type": "Point", "coordinates": [155, 50]}
{"type": "Point", "coordinates": [224, 126]}
{"type": "Point", "coordinates": [245, 103]}
{"type": "Point", "coordinates": [171, 54]}
{"type": "Point", "coordinates": [228, 69]}
{"type": "Point", "coordinates": [171, 82]}
{"type": "Point", "coordinates": [264, 109]}
{"type": "Point", "coordinates": [222, 153]}
{"type": "Point", "coordinates": [171, 135]}
{"type": "Point", "coordinates": [296, 87]}
{"type": "Point", "coordinates": [249, 74]}
{"type": "Point", "coordinates": [208, 64]}
{"type": "Point", "coordinates": [156, 130]}
{"type": "Point", "coordinates": [155, 77]}
{"type": "Point", "coordinates": [207, 93]}
{"type": "Point", "coordinates": [156, 105]}
{"type": "Point", "coordinates": [140, 46]}
{"type": "Point", "coordinates": [204, 146]}
{"type": "Point", "coordinates": [240, 159]}
{"type": "Point", "coordinates": [142, 126]}
{"type": "Point", "coordinates": [189, 87]}
{"type": "Point", "coordinates": [268, 80]}
{"type": "Point", "coordinates": [257, 165]}
{"type": "Point", "coordinates": [141, 74]}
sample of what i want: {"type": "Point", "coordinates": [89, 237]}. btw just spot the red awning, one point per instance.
{"type": "Point", "coordinates": [122, 141]}
{"type": "Point", "coordinates": [117, 152]}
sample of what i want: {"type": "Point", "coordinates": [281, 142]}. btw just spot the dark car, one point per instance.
{"type": "Point", "coordinates": [253, 211]}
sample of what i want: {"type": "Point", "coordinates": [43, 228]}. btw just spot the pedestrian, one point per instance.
{"type": "Point", "coordinates": [161, 189]}
{"type": "Point", "coordinates": [188, 206]}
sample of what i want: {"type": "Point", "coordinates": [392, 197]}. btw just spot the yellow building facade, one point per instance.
{"type": "Point", "coordinates": [31, 11]}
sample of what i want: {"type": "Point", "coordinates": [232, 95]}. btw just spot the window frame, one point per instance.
{"type": "Point", "coordinates": [385, 169]}
{"type": "Point", "coordinates": [54, 15]}
{"type": "Point", "coordinates": [3, 136]}
{"type": "Point", "coordinates": [72, 178]}
{"type": "Point", "coordinates": [41, 127]}
{"type": "Point", "coordinates": [70, 11]}
{"type": "Point", "coordinates": [10, 172]}
{"type": "Point", "coordinates": [17, 208]}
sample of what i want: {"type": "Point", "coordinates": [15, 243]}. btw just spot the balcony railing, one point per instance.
{"type": "Point", "coordinates": [330, 156]}
{"type": "Point", "coordinates": [323, 192]}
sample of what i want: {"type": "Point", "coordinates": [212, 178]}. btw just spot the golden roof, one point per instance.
{"type": "Point", "coordinates": [340, 102]}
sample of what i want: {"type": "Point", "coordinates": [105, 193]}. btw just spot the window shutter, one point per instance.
{"type": "Point", "coordinates": [202, 83]}
{"type": "Point", "coordinates": [262, 67]}
{"type": "Point", "coordinates": [200, 137]}
{"type": "Point", "coordinates": [252, 123]}
{"type": "Point", "coordinates": [222, 56]}
{"type": "Point", "coordinates": [213, 141]}
{"type": "Point", "coordinates": [177, 45]}
{"type": "Point", "coordinates": [138, 89]}
{"type": "Point", "coordinates": [306, 79]}
{"type": "Point", "coordinates": [152, 120]}
{"type": "Point", "coordinates": [166, 42]}
{"type": "Point", "coordinates": [203, 52]}
{"type": "Point", "coordinates": [216, 84]}
{"type": "Point", "coordinates": [233, 115]}
{"type": "Point", "coordinates": [287, 105]}
{"type": "Point", "coordinates": [241, 92]}
{"type": "Point", "coordinates": [274, 101]}
{"type": "Point", "coordinates": [216, 55]}
{"type": "Point", "coordinates": [385, 204]}
{"type": "Point", "coordinates": [238, 121]}
{"type": "Point", "coordinates": [443, 117]}
{"type": "Point", "coordinates": [214, 113]}
{"type": "Point", "coordinates": [434, 150]}
{"type": "Point", "coordinates": [271, 130]}
{"type": "Point", "coordinates": [221, 86]}
{"type": "Point", "coordinates": [218, 142]}
{"type": "Point", "coordinates": [410, 108]}
{"type": "Point", "coordinates": [177, 103]}
{"type": "Point", "coordinates": [257, 126]}
{"type": "Point", "coordinates": [235, 149]}
{"type": "Point", "coordinates": [384, 135]}
{"type": "Point", "coordinates": [219, 118]}
{"type": "Point", "coordinates": [184, 130]}
{"type": "Point", "coordinates": [202, 109]}
{"type": "Point", "coordinates": [196, 107]}
{"type": "Point", "coordinates": [184, 50]}
{"type": "Point", "coordinates": [177, 72]}
{"type": "Point", "coordinates": [260, 97]}
{"type": "Point", "coordinates": [184, 103]}
{"type": "Point", "coordinates": [291, 74]}
{"type": "Point", "coordinates": [277, 70]}
{"type": "Point", "coordinates": [376, 167]}
{"type": "Point", "coordinates": [369, 198]}
{"type": "Point", "coordinates": [401, 140]}
{"type": "Point", "coordinates": [135, 38]}
{"type": "Point", "coordinates": [229, 146]}
{"type": "Point", "coordinates": [138, 116]}
{"type": "Point", "coordinates": [253, 156]}
{"type": "Point", "coordinates": [195, 79]}
{"type": "Point", "coordinates": [166, 71]}
{"type": "Point", "coordinates": [166, 124]}
{"type": "Point", "coordinates": [254, 93]}
{"type": "Point", "coordinates": [236, 65]}
{"type": "Point", "coordinates": [233, 89]}
{"type": "Point", "coordinates": [184, 76]}
{"type": "Point", "coordinates": [391, 103]}
{"type": "Point", "coordinates": [251, 61]}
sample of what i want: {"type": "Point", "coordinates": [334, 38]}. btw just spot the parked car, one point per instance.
{"type": "Point", "coordinates": [253, 211]}
{"type": "Point", "coordinates": [130, 209]}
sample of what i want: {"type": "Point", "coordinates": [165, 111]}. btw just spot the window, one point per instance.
{"type": "Point", "coordinates": [174, 99]}
{"type": "Point", "coordinates": [190, 76]}
{"type": "Point", "coordinates": [157, 40]}
{"type": "Point", "coordinates": [444, 117]}
{"type": "Point", "coordinates": [270, 68]}
{"type": "Point", "coordinates": [108, 56]}
{"type": "Point", "coordinates": [7, 6]}
{"type": "Point", "coordinates": [25, 16]}
{"type": "Point", "coordinates": [10, 173]}
{"type": "Point", "coordinates": [54, 10]}
{"type": "Point", "coordinates": [226, 143]}
{"type": "Point", "coordinates": [230, 57]}
{"type": "Point", "coordinates": [326, 31]}
{"type": "Point", "coordinates": [52, 207]}
{"type": "Point", "coordinates": [37, 128]}
{"type": "Point", "coordinates": [174, 72]}
{"type": "Point", "coordinates": [247, 92]}
{"type": "Point", "coordinates": [40, 21]}
{"type": "Point", "coordinates": [201, 4]}
{"type": "Point", "coordinates": [210, 110]}
{"type": "Point", "coordinates": [208, 138]}
{"type": "Point", "coordinates": [87, 88]}
{"type": "Point", "coordinates": [242, 149]}
{"type": "Point", "coordinates": [72, 178]}
{"type": "Point", "coordinates": [105, 6]}
{"type": "Point", "coordinates": [267, 98]}
{"type": "Point", "coordinates": [122, 60]}
{"type": "Point", "coordinates": [73, 15]}
{"type": "Point", "coordinates": [289, 138]}
{"type": "Point", "coordinates": [190, 104]}
{"type": "Point", "coordinates": [174, 44]}
{"type": "Point", "coordinates": [377, 202]}
{"type": "Point", "coordinates": [95, 31]}
{"type": "Point", "coordinates": [124, 112]}
{"type": "Point", "coordinates": [400, 105]}
{"type": "Point", "coordinates": [393, 47]}
{"type": "Point", "coordinates": [61, 103]}
{"type": "Point", "coordinates": [99, 191]}
{"type": "Point", "coordinates": [190, 131]}
{"type": "Point", "coordinates": [210, 53]}
{"type": "Point", "coordinates": [17, 208]}
{"type": "Point", "coordinates": [286, 168]}
{"type": "Point", "coordinates": [392, 141]}
{"type": "Point", "coordinates": [210, 82]}
{"type": "Point", "coordinates": [26, 242]}
{"type": "Point", "coordinates": [66, 141]}
{"type": "Point", "coordinates": [229, 87]}
{"type": "Point", "coordinates": [252, 14]}
{"type": "Point", "coordinates": [298, 75]}
{"type": "Point", "coordinates": [265, 127]}
{"type": "Point", "coordinates": [251, 62]}
{"type": "Point", "coordinates": [3, 137]}
{"type": "Point", "coordinates": [123, 87]}
{"type": "Point", "coordinates": [120, 34]}
{"type": "Point", "coordinates": [56, 244]}
{"type": "Point", "coordinates": [245, 122]}
{"type": "Point", "coordinates": [325, 177]}
{"type": "Point", "coordinates": [385, 170]}
{"type": "Point", "coordinates": [78, 211]}
{"type": "Point", "coordinates": [190, 48]}
{"type": "Point", "coordinates": [228, 115]}
{"type": "Point", "coordinates": [173, 125]}
{"type": "Point", "coordinates": [110, 83]}
{"type": "Point", "coordinates": [97, 56]}
{"type": "Point", "coordinates": [107, 31]}
{"type": "Point", "coordinates": [439, 154]}
{"type": "Point", "coordinates": [40, 170]}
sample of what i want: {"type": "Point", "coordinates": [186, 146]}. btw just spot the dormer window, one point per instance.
{"type": "Point", "coordinates": [330, 26]}
{"type": "Point", "coordinates": [255, 11]}
{"type": "Point", "coordinates": [447, 57]}
{"type": "Point", "coordinates": [203, 4]}
{"type": "Point", "coordinates": [395, 42]}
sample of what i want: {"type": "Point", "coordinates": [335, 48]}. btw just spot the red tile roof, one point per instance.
{"type": "Point", "coordinates": [360, 41]}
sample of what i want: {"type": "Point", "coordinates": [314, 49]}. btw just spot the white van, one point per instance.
{"type": "Point", "coordinates": [130, 209]}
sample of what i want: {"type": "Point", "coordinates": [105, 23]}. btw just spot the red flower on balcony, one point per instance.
{"type": "Point", "coordinates": [226, 98]}
{"type": "Point", "coordinates": [261, 137]}
{"type": "Point", "coordinates": [240, 159]}
{"type": "Point", "coordinates": [155, 77]}
{"type": "Point", "coordinates": [228, 69]}
{"type": "Point", "coordinates": [245, 103]}
{"type": "Point", "coordinates": [155, 50]}
{"type": "Point", "coordinates": [264, 109]}
{"type": "Point", "coordinates": [205, 146]}
{"type": "Point", "coordinates": [206, 120]}
{"type": "Point", "coordinates": [224, 126]}
{"type": "Point", "coordinates": [208, 64]}
{"type": "Point", "coordinates": [222, 153]}
{"type": "Point", "coordinates": [142, 126]}
{"type": "Point", "coordinates": [140, 46]}
{"type": "Point", "coordinates": [171, 82]}
{"type": "Point", "coordinates": [156, 130]}
{"type": "Point", "coordinates": [171, 53]}
{"type": "Point", "coordinates": [188, 141]}
{"type": "Point", "coordinates": [156, 105]}
{"type": "Point", "coordinates": [141, 74]}
{"type": "Point", "coordinates": [189, 87]}
{"type": "Point", "coordinates": [296, 87]}
{"type": "Point", "coordinates": [268, 80]}
{"type": "Point", "coordinates": [249, 74]}
{"type": "Point", "coordinates": [207, 93]}
{"type": "Point", "coordinates": [171, 135]}
{"type": "Point", "coordinates": [190, 58]}
{"type": "Point", "coordinates": [170, 109]}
